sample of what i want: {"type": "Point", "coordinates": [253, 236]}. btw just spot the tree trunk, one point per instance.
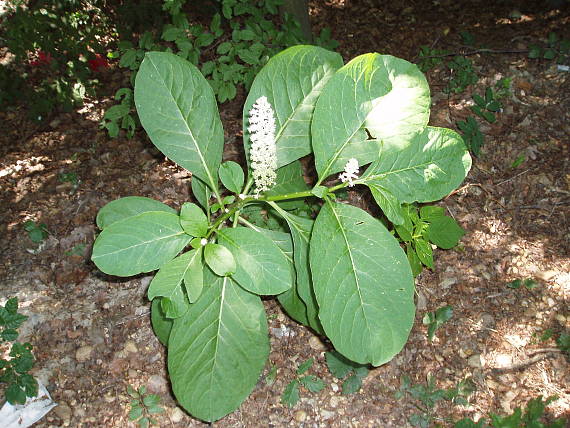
{"type": "Point", "coordinates": [299, 9]}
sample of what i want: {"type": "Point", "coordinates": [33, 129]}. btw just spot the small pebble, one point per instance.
{"type": "Point", "coordinates": [475, 361]}
{"type": "Point", "coordinates": [316, 344]}
{"type": "Point", "coordinates": [83, 353]}
{"type": "Point", "coordinates": [176, 415]}
{"type": "Point", "coordinates": [300, 416]}
{"type": "Point", "coordinates": [131, 346]}
{"type": "Point", "coordinates": [63, 412]}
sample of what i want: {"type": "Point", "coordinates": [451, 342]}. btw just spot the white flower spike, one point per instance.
{"type": "Point", "coordinates": [350, 172]}
{"type": "Point", "coordinates": [262, 153]}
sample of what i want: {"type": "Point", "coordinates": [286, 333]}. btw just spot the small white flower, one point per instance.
{"type": "Point", "coordinates": [262, 152]}
{"type": "Point", "coordinates": [203, 241]}
{"type": "Point", "coordinates": [350, 172]}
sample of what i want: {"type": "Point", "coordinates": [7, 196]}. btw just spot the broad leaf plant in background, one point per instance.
{"type": "Point", "coordinates": [342, 272]}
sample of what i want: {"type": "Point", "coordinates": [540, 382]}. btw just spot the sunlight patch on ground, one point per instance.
{"type": "Point", "coordinates": [31, 164]}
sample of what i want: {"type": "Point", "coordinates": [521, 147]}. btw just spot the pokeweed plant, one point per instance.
{"type": "Point", "coordinates": [342, 273]}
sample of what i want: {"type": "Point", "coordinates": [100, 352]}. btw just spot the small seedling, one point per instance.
{"type": "Point", "coordinates": [290, 395]}
{"type": "Point", "coordinates": [435, 320]}
{"type": "Point", "coordinates": [471, 135]}
{"type": "Point", "coordinates": [531, 418]}
{"type": "Point", "coordinates": [486, 107]}
{"type": "Point", "coordinates": [36, 232]}
{"type": "Point", "coordinates": [143, 405]}
{"type": "Point", "coordinates": [503, 87]}
{"type": "Point", "coordinates": [518, 161]}
{"type": "Point", "coordinates": [14, 371]}
{"type": "Point", "coordinates": [70, 177]}
{"type": "Point", "coordinates": [429, 58]}
{"type": "Point", "coordinates": [342, 368]}
{"type": "Point", "coordinates": [555, 49]}
{"type": "Point", "coordinates": [528, 283]}
{"type": "Point", "coordinates": [77, 250]}
{"type": "Point", "coordinates": [462, 74]}
{"type": "Point", "coordinates": [425, 226]}
{"type": "Point", "coordinates": [467, 38]}
{"type": "Point", "coordinates": [271, 375]}
{"type": "Point", "coordinates": [563, 343]}
{"type": "Point", "coordinates": [428, 396]}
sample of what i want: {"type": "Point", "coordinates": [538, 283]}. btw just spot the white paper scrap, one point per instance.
{"type": "Point", "coordinates": [24, 415]}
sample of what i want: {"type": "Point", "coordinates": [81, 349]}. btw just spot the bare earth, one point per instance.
{"type": "Point", "coordinates": [91, 333]}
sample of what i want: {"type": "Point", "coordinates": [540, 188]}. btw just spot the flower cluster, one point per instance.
{"type": "Point", "coordinates": [350, 172]}
{"type": "Point", "coordinates": [262, 151]}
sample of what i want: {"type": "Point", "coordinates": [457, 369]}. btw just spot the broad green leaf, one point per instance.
{"type": "Point", "coordinates": [219, 259]}
{"type": "Point", "coordinates": [300, 232]}
{"type": "Point", "coordinates": [261, 267]}
{"type": "Point", "coordinates": [216, 352]}
{"type": "Point", "coordinates": [194, 277]}
{"type": "Point", "coordinates": [431, 212]}
{"type": "Point", "coordinates": [373, 103]}
{"type": "Point", "coordinates": [201, 192]}
{"type": "Point", "coordinates": [141, 243]}
{"type": "Point", "coordinates": [123, 208]}
{"type": "Point", "coordinates": [424, 252]}
{"type": "Point", "coordinates": [290, 299]}
{"type": "Point", "coordinates": [433, 165]}
{"type": "Point", "coordinates": [351, 384]}
{"type": "Point", "coordinates": [289, 179]}
{"type": "Point", "coordinates": [413, 259]}
{"type": "Point", "coordinates": [292, 81]}
{"type": "Point", "coordinates": [168, 282]}
{"type": "Point", "coordinates": [231, 176]}
{"type": "Point", "coordinates": [193, 220]}
{"type": "Point", "coordinates": [444, 232]}
{"type": "Point", "coordinates": [178, 110]}
{"type": "Point", "coordinates": [160, 324]}
{"type": "Point", "coordinates": [363, 284]}
{"type": "Point", "coordinates": [391, 207]}
{"type": "Point", "coordinates": [306, 365]}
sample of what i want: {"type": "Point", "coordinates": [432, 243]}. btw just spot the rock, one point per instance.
{"type": "Point", "coordinates": [326, 414]}
{"type": "Point", "coordinates": [176, 415]}
{"type": "Point", "coordinates": [83, 353]}
{"type": "Point", "coordinates": [503, 360]}
{"type": "Point", "coordinates": [487, 320]}
{"type": "Point", "coordinates": [300, 416]}
{"type": "Point", "coordinates": [421, 304]}
{"type": "Point", "coordinates": [316, 344]}
{"type": "Point", "coordinates": [334, 401]}
{"type": "Point", "coordinates": [131, 346]}
{"type": "Point", "coordinates": [334, 387]}
{"type": "Point", "coordinates": [157, 384]}
{"type": "Point", "coordinates": [475, 361]}
{"type": "Point", "coordinates": [546, 275]}
{"type": "Point", "coordinates": [507, 400]}
{"type": "Point", "coordinates": [63, 412]}
{"type": "Point", "coordinates": [447, 282]}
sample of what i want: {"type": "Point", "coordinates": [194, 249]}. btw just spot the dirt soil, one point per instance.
{"type": "Point", "coordinates": [91, 333]}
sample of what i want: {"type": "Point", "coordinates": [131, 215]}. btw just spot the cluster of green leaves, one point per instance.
{"type": "Point", "coordinates": [555, 49]}
{"type": "Point", "coordinates": [14, 371]}
{"type": "Point", "coordinates": [428, 396]}
{"type": "Point", "coordinates": [312, 383]}
{"type": "Point", "coordinates": [429, 58]}
{"type": "Point", "coordinates": [531, 417]}
{"type": "Point", "coordinates": [471, 134]}
{"type": "Point", "coordinates": [462, 74]}
{"type": "Point", "coordinates": [486, 107]}
{"type": "Point", "coordinates": [36, 232]}
{"type": "Point", "coordinates": [143, 405]}
{"type": "Point", "coordinates": [241, 37]}
{"type": "Point", "coordinates": [422, 227]}
{"type": "Point", "coordinates": [68, 33]}
{"type": "Point", "coordinates": [436, 319]}
{"type": "Point", "coordinates": [352, 374]}
{"type": "Point", "coordinates": [343, 273]}
{"type": "Point", "coordinates": [528, 283]}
